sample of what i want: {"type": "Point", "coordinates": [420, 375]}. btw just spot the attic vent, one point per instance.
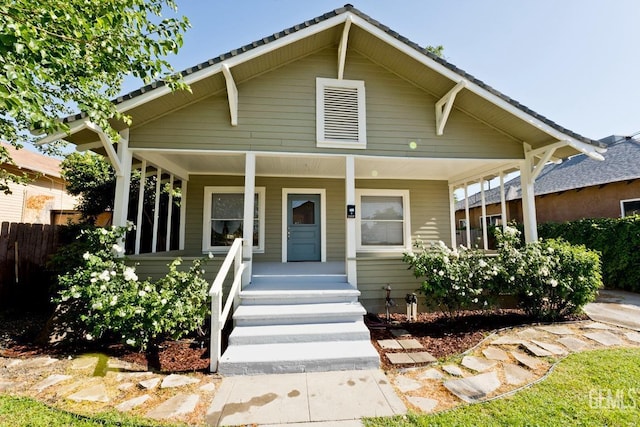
{"type": "Point", "coordinates": [340, 113]}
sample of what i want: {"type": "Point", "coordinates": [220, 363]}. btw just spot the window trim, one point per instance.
{"type": "Point", "coordinates": [206, 217]}
{"type": "Point", "coordinates": [622, 211]}
{"type": "Point", "coordinates": [489, 216]}
{"type": "Point", "coordinates": [406, 221]}
{"type": "Point", "coordinates": [321, 140]}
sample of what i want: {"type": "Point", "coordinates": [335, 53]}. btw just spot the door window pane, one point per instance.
{"type": "Point", "coordinates": [303, 211]}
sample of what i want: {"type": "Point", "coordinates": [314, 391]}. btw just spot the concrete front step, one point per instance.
{"type": "Point", "coordinates": [298, 357]}
{"type": "Point", "coordinates": [266, 334]}
{"type": "Point", "coordinates": [255, 315]}
{"type": "Point", "coordinates": [298, 278]}
{"type": "Point", "coordinates": [298, 296]}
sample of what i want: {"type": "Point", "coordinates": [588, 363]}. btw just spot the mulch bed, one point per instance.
{"type": "Point", "coordinates": [441, 335]}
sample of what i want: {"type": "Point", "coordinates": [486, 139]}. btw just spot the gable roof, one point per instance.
{"type": "Point", "coordinates": [622, 164]}
{"type": "Point", "coordinates": [376, 41]}
{"type": "Point", "coordinates": [36, 162]}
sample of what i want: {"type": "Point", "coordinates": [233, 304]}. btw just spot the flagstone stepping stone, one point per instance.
{"type": "Point", "coordinates": [6, 385]}
{"type": "Point", "coordinates": [557, 330]}
{"type": "Point", "coordinates": [474, 389]}
{"type": "Point", "coordinates": [431, 374]}
{"type": "Point", "coordinates": [180, 404]}
{"type": "Point", "coordinates": [535, 350]}
{"type": "Point", "coordinates": [495, 353]}
{"type": "Point", "coordinates": [604, 337]}
{"type": "Point", "coordinates": [551, 348]}
{"type": "Point", "coordinates": [96, 393]}
{"type": "Point", "coordinates": [65, 389]}
{"type": "Point", "coordinates": [130, 376]}
{"type": "Point", "coordinates": [423, 403]}
{"type": "Point", "coordinates": [516, 375]}
{"type": "Point", "coordinates": [125, 366]}
{"type": "Point", "coordinates": [422, 357]}
{"type": "Point", "coordinates": [128, 405]}
{"type": "Point", "coordinates": [530, 333]}
{"type": "Point", "coordinates": [150, 383]}
{"type": "Point", "coordinates": [633, 336]}
{"type": "Point", "coordinates": [208, 387]}
{"type": "Point", "coordinates": [175, 380]}
{"type": "Point", "coordinates": [410, 344]}
{"type": "Point", "coordinates": [400, 333]}
{"type": "Point", "coordinates": [526, 360]}
{"type": "Point", "coordinates": [478, 364]}
{"type": "Point", "coordinates": [596, 325]}
{"type": "Point", "coordinates": [453, 370]}
{"type": "Point", "coordinates": [36, 362]}
{"type": "Point", "coordinates": [390, 344]}
{"type": "Point", "coordinates": [125, 386]}
{"type": "Point", "coordinates": [399, 358]}
{"type": "Point", "coordinates": [51, 380]}
{"type": "Point", "coordinates": [406, 384]}
{"type": "Point", "coordinates": [574, 344]}
{"type": "Point", "coordinates": [507, 340]}
{"type": "Point", "coordinates": [84, 362]}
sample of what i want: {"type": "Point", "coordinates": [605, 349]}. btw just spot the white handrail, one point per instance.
{"type": "Point", "coordinates": [218, 315]}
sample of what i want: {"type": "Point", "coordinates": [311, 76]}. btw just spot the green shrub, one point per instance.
{"type": "Point", "coordinates": [103, 295]}
{"type": "Point", "coordinates": [617, 240]}
{"type": "Point", "coordinates": [453, 279]}
{"type": "Point", "coordinates": [551, 278]}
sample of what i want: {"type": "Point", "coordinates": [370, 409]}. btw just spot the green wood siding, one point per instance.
{"type": "Point", "coordinates": [273, 212]}
{"type": "Point", "coordinates": [375, 273]}
{"type": "Point", "coordinates": [277, 113]}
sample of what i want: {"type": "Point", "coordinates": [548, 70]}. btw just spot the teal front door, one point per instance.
{"type": "Point", "coordinates": [303, 227]}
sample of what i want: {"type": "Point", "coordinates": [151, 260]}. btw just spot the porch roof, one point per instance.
{"type": "Point", "coordinates": [370, 38]}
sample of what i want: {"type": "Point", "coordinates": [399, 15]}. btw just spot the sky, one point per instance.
{"type": "Point", "coordinates": [575, 62]}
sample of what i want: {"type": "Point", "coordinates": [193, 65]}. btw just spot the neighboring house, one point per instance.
{"type": "Point", "coordinates": [576, 188]}
{"type": "Point", "coordinates": [44, 199]}
{"type": "Point", "coordinates": [330, 147]}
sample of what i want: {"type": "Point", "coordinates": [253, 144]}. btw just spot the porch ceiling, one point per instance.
{"type": "Point", "coordinates": [323, 166]}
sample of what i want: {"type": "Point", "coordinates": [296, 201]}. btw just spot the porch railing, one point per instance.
{"type": "Point", "coordinates": [218, 314]}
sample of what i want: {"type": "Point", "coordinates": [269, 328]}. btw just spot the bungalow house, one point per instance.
{"type": "Point", "coordinates": [328, 148]}
{"type": "Point", "coordinates": [44, 199]}
{"type": "Point", "coordinates": [578, 187]}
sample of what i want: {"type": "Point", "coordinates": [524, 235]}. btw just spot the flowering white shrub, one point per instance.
{"type": "Point", "coordinates": [105, 296]}
{"type": "Point", "coordinates": [453, 279]}
{"type": "Point", "coordinates": [551, 278]}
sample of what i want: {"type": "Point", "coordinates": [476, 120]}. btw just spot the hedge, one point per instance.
{"type": "Point", "coordinates": [617, 240]}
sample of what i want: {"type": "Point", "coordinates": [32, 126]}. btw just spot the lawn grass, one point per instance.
{"type": "Point", "coordinates": [23, 412]}
{"type": "Point", "coordinates": [592, 388]}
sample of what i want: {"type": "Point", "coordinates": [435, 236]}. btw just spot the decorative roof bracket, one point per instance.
{"type": "Point", "coordinates": [342, 47]}
{"type": "Point", "coordinates": [444, 106]}
{"type": "Point", "coordinates": [107, 144]}
{"type": "Point", "coordinates": [232, 94]}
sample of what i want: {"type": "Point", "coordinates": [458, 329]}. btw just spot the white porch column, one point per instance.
{"type": "Point", "coordinates": [452, 215]}
{"type": "Point", "coordinates": [123, 180]}
{"type": "Point", "coordinates": [503, 203]}
{"type": "Point", "coordinates": [483, 217]}
{"type": "Point", "coordinates": [247, 226]}
{"type": "Point", "coordinates": [169, 215]}
{"type": "Point", "coordinates": [143, 182]}
{"type": "Point", "coordinates": [466, 215]}
{"type": "Point", "coordinates": [528, 200]}
{"type": "Point", "coordinates": [156, 212]}
{"type": "Point", "coordinates": [350, 235]}
{"type": "Point", "coordinates": [183, 211]}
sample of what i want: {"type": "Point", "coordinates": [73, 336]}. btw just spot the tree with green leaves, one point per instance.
{"type": "Point", "coordinates": [63, 56]}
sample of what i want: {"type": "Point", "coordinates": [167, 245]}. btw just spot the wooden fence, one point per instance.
{"type": "Point", "coordinates": [24, 252]}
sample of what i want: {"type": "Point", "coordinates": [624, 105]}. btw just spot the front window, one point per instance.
{"type": "Point", "coordinates": [383, 220]}
{"type": "Point", "coordinates": [224, 218]}
{"type": "Point", "coordinates": [630, 207]}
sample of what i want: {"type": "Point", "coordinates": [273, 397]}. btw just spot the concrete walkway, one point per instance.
{"type": "Point", "coordinates": [503, 362]}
